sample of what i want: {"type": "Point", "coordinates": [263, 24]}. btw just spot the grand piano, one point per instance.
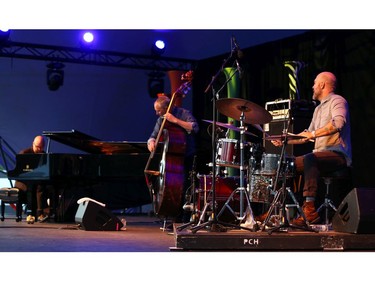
{"type": "Point", "coordinates": [107, 171]}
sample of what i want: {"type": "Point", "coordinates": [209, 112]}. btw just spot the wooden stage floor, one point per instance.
{"type": "Point", "coordinates": [145, 233]}
{"type": "Point", "coordinates": [146, 248]}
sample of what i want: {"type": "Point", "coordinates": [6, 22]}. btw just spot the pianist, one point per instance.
{"type": "Point", "coordinates": [42, 192]}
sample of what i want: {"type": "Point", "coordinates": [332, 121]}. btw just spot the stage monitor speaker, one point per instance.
{"type": "Point", "coordinates": [356, 213]}
{"type": "Point", "coordinates": [92, 215]}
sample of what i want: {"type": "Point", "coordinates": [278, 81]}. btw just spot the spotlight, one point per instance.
{"type": "Point", "coordinates": [55, 75]}
{"type": "Point", "coordinates": [4, 35]}
{"type": "Point", "coordinates": [87, 39]}
{"type": "Point", "coordinates": [158, 48]}
{"type": "Point", "coordinates": [155, 83]}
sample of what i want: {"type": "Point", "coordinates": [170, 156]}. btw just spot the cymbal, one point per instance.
{"type": "Point", "coordinates": [230, 127]}
{"type": "Point", "coordinates": [253, 113]}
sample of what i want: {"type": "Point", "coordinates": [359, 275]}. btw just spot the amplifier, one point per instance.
{"type": "Point", "coordinates": [279, 109]}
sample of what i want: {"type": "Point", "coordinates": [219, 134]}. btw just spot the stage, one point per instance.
{"type": "Point", "coordinates": [280, 240]}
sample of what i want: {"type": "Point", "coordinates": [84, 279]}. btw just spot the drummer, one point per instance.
{"type": "Point", "coordinates": [330, 129]}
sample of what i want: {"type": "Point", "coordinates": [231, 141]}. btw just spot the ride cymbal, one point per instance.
{"type": "Point", "coordinates": [234, 107]}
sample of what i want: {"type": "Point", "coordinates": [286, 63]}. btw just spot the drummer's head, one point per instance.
{"type": "Point", "coordinates": [161, 105]}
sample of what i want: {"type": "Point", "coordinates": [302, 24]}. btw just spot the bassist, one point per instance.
{"type": "Point", "coordinates": [182, 120]}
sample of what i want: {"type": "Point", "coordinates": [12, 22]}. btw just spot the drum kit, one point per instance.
{"type": "Point", "coordinates": [258, 171]}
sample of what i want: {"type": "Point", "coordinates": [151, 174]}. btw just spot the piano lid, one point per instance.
{"type": "Point", "coordinates": [90, 144]}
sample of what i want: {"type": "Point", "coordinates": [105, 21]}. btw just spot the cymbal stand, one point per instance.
{"type": "Point", "coordinates": [241, 189]}
{"type": "Point", "coordinates": [281, 195]}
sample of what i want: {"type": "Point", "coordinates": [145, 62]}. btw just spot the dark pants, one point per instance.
{"type": "Point", "coordinates": [313, 165]}
{"type": "Point", "coordinates": [43, 193]}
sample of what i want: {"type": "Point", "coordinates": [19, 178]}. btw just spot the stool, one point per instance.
{"type": "Point", "coordinates": [329, 178]}
{"type": "Point", "coordinates": [10, 196]}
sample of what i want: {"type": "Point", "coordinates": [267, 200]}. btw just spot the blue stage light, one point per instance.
{"type": "Point", "coordinates": [158, 48]}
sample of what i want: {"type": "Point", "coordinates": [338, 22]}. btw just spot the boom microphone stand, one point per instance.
{"type": "Point", "coordinates": [213, 224]}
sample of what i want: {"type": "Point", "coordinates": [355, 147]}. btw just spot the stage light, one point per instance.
{"type": "Point", "coordinates": [4, 35]}
{"type": "Point", "coordinates": [87, 39]}
{"type": "Point", "coordinates": [155, 83]}
{"type": "Point", "coordinates": [158, 48]}
{"type": "Point", "coordinates": [55, 75]}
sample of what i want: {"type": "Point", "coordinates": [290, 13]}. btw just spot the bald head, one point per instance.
{"type": "Point", "coordinates": [329, 79]}
{"type": "Point", "coordinates": [38, 144]}
{"type": "Point", "coordinates": [324, 84]}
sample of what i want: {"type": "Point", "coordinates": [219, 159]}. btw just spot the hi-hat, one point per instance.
{"type": "Point", "coordinates": [229, 126]}
{"type": "Point", "coordinates": [234, 107]}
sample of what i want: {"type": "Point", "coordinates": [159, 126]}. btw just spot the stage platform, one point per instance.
{"type": "Point", "coordinates": [287, 239]}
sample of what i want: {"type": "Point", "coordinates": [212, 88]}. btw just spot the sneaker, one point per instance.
{"type": "Point", "coordinates": [310, 212]}
{"type": "Point", "coordinates": [30, 219]}
{"type": "Point", "coordinates": [43, 218]}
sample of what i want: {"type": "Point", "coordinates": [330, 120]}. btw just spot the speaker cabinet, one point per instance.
{"type": "Point", "coordinates": [356, 213]}
{"type": "Point", "coordinates": [91, 215]}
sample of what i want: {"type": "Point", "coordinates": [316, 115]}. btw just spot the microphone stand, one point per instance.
{"type": "Point", "coordinates": [280, 197]}
{"type": "Point", "coordinates": [214, 224]}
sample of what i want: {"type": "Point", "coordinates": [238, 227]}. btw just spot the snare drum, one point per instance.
{"type": "Point", "coordinates": [228, 152]}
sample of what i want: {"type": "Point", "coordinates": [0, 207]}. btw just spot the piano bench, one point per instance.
{"type": "Point", "coordinates": [10, 196]}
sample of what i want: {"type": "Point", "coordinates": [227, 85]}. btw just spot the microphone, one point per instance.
{"type": "Point", "coordinates": [237, 49]}
{"type": "Point", "coordinates": [239, 69]}
{"type": "Point", "coordinates": [238, 55]}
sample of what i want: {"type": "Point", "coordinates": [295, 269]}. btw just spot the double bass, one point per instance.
{"type": "Point", "coordinates": [166, 185]}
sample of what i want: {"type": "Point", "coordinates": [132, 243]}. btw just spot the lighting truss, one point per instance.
{"type": "Point", "coordinates": [92, 57]}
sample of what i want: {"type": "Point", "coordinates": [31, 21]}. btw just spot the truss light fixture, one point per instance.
{"type": "Point", "coordinates": [55, 75]}
{"type": "Point", "coordinates": [155, 83]}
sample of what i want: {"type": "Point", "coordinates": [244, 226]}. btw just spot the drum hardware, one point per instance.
{"type": "Point", "coordinates": [281, 195]}
{"type": "Point", "coordinates": [250, 113]}
{"type": "Point", "coordinates": [248, 215]}
{"type": "Point", "coordinates": [240, 110]}
{"type": "Point", "coordinates": [214, 224]}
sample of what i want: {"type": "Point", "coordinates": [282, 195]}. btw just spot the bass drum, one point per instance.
{"type": "Point", "coordinates": [224, 186]}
